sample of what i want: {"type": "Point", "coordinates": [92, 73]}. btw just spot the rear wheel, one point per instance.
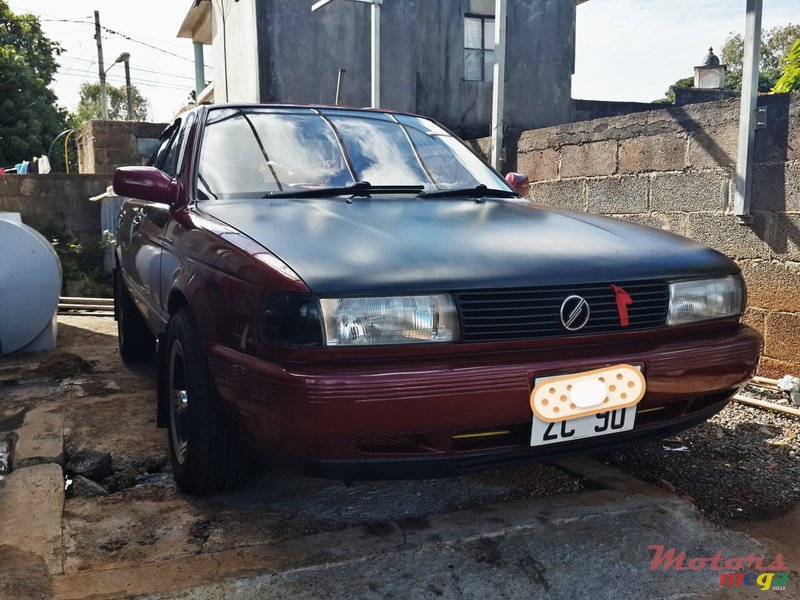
{"type": "Point", "coordinates": [136, 343]}
{"type": "Point", "coordinates": [205, 455]}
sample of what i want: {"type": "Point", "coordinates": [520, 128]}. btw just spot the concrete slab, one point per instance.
{"type": "Point", "coordinates": [592, 544]}
{"type": "Point", "coordinates": [41, 437]}
{"type": "Point", "coordinates": [31, 506]}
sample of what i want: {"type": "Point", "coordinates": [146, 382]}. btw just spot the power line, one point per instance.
{"type": "Point", "coordinates": [40, 20]}
{"type": "Point", "coordinates": [144, 70]}
{"type": "Point", "coordinates": [127, 37]}
{"type": "Point", "coordinates": [106, 29]}
{"type": "Point", "coordinates": [121, 80]}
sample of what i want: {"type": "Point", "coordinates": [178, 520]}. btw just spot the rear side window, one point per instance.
{"type": "Point", "coordinates": [163, 144]}
{"type": "Point", "coordinates": [171, 164]}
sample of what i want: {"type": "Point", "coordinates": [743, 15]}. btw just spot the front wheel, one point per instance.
{"type": "Point", "coordinates": [205, 455]}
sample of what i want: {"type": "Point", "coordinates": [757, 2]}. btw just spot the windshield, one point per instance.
{"type": "Point", "coordinates": [250, 152]}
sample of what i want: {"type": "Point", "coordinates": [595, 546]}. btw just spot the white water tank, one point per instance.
{"type": "Point", "coordinates": [30, 285]}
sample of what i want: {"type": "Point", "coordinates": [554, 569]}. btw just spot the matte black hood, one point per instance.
{"type": "Point", "coordinates": [396, 245]}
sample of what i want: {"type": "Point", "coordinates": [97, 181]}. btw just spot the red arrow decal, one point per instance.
{"type": "Point", "coordinates": [623, 300]}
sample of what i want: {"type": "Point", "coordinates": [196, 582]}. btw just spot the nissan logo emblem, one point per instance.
{"type": "Point", "coordinates": [574, 313]}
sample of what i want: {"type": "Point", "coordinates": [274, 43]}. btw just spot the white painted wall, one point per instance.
{"type": "Point", "coordinates": [235, 21]}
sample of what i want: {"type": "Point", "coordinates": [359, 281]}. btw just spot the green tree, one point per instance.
{"type": "Point", "coordinates": [669, 96]}
{"type": "Point", "coordinates": [790, 77]}
{"type": "Point", "coordinates": [29, 115]}
{"type": "Point", "coordinates": [89, 103]}
{"type": "Point", "coordinates": [775, 46]}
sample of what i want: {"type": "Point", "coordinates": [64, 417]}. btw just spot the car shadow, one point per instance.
{"type": "Point", "coordinates": [733, 472]}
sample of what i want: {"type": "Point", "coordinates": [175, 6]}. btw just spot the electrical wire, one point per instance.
{"type": "Point", "coordinates": [127, 37]}
{"type": "Point", "coordinates": [135, 82]}
{"type": "Point", "coordinates": [144, 70]}
{"type": "Point", "coordinates": [104, 28]}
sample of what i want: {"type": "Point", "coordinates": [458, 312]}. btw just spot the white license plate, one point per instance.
{"type": "Point", "coordinates": [615, 421]}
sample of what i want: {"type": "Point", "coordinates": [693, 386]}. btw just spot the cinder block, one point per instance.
{"type": "Point", "coordinates": [792, 183]}
{"type": "Point", "coordinates": [769, 187]}
{"type": "Point", "coordinates": [755, 318]}
{"type": "Point", "coordinates": [793, 130]}
{"type": "Point", "coordinates": [713, 147]}
{"type": "Point", "coordinates": [784, 236]}
{"type": "Point", "coordinates": [776, 369]}
{"type": "Point", "coordinates": [589, 160]}
{"type": "Point", "coordinates": [772, 284]}
{"type": "Point", "coordinates": [569, 194]}
{"type": "Point", "coordinates": [538, 139]}
{"type": "Point", "coordinates": [617, 195]}
{"type": "Point", "coordinates": [727, 234]}
{"type": "Point", "coordinates": [672, 222]}
{"type": "Point", "coordinates": [538, 165]}
{"type": "Point", "coordinates": [652, 153]}
{"type": "Point", "coordinates": [482, 147]}
{"type": "Point", "coordinates": [782, 336]}
{"type": "Point", "coordinates": [691, 191]}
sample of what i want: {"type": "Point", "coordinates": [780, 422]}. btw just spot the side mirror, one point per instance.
{"type": "Point", "coordinates": [145, 183]}
{"type": "Point", "coordinates": [519, 182]}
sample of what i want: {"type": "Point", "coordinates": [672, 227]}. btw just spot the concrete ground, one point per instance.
{"type": "Point", "coordinates": [124, 530]}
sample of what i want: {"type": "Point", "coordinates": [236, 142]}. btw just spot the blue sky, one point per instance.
{"type": "Point", "coordinates": [626, 49]}
{"type": "Point", "coordinates": [635, 49]}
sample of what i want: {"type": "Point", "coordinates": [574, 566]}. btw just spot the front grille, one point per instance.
{"type": "Point", "coordinates": [387, 443]}
{"type": "Point", "coordinates": [530, 313]}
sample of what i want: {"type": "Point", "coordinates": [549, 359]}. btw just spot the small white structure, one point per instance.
{"type": "Point", "coordinates": [30, 285]}
{"type": "Point", "coordinates": [711, 74]}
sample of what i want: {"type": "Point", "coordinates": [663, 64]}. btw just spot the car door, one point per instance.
{"type": "Point", "coordinates": [144, 235]}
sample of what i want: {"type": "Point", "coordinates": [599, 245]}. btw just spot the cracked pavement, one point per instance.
{"type": "Point", "coordinates": [578, 528]}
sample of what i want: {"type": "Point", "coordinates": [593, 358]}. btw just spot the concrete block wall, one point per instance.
{"type": "Point", "coordinates": [105, 145]}
{"type": "Point", "coordinates": [673, 168]}
{"type": "Point", "coordinates": [56, 202]}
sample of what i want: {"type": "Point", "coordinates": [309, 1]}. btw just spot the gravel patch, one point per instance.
{"type": "Point", "coordinates": [741, 465]}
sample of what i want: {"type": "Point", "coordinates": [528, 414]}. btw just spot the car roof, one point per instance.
{"type": "Point", "coordinates": [365, 110]}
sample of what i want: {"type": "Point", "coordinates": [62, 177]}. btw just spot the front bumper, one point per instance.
{"type": "Point", "coordinates": [399, 418]}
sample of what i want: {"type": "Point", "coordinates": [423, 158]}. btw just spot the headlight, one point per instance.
{"type": "Point", "coordinates": [705, 299]}
{"type": "Point", "coordinates": [389, 320]}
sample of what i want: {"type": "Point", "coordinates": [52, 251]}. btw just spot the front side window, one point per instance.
{"type": "Point", "coordinates": [478, 48]}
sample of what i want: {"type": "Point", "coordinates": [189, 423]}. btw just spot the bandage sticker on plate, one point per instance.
{"type": "Point", "coordinates": [588, 393]}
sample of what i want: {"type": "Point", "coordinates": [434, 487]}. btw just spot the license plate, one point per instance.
{"type": "Point", "coordinates": [614, 421]}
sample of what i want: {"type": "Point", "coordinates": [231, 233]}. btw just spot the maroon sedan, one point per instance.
{"type": "Point", "coordinates": [354, 293]}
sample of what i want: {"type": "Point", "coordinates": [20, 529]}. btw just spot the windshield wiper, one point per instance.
{"type": "Point", "coordinates": [359, 189]}
{"type": "Point", "coordinates": [477, 192]}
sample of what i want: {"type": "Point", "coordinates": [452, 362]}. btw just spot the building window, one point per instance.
{"type": "Point", "coordinates": [478, 48]}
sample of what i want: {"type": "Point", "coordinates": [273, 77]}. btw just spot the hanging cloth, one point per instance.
{"type": "Point", "coordinates": [44, 164]}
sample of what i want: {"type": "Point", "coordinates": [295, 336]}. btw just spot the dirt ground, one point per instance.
{"type": "Point", "coordinates": [125, 529]}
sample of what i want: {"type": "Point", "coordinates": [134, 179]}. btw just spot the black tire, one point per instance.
{"type": "Point", "coordinates": [206, 457]}
{"type": "Point", "coordinates": [136, 343]}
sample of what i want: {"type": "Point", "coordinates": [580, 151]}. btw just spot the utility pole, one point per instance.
{"type": "Point", "coordinates": [98, 36]}
{"type": "Point", "coordinates": [745, 148]}
{"type": "Point", "coordinates": [128, 90]}
{"type": "Point", "coordinates": [376, 53]}
{"type": "Point", "coordinates": [499, 83]}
